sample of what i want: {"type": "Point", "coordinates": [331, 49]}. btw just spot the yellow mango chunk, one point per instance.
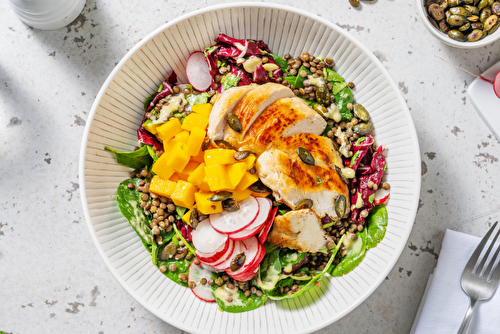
{"type": "Point", "coordinates": [204, 184]}
{"type": "Point", "coordinates": [182, 137]}
{"type": "Point", "coordinates": [196, 177]}
{"type": "Point", "coordinates": [168, 146]}
{"type": "Point", "coordinates": [180, 176]}
{"type": "Point", "coordinates": [267, 193]}
{"type": "Point", "coordinates": [195, 141]}
{"type": "Point", "coordinates": [219, 156]}
{"type": "Point", "coordinates": [187, 216]}
{"type": "Point", "coordinates": [178, 158]}
{"type": "Point", "coordinates": [218, 178]}
{"type": "Point", "coordinates": [175, 177]}
{"type": "Point", "coordinates": [169, 129]}
{"type": "Point", "coordinates": [149, 126]}
{"type": "Point", "coordinates": [162, 187]}
{"type": "Point", "coordinates": [250, 161]}
{"type": "Point", "coordinates": [236, 172]}
{"type": "Point", "coordinates": [204, 205]}
{"type": "Point", "coordinates": [183, 194]}
{"type": "Point", "coordinates": [202, 109]}
{"type": "Point", "coordinates": [247, 180]}
{"type": "Point", "coordinates": [241, 195]}
{"type": "Point", "coordinates": [161, 168]}
{"type": "Point", "coordinates": [199, 158]}
{"type": "Point", "coordinates": [190, 167]}
{"type": "Point", "coordinates": [195, 120]}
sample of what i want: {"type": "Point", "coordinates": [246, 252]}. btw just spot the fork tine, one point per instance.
{"type": "Point", "coordinates": [475, 256]}
{"type": "Point", "coordinates": [496, 273]}
{"type": "Point", "coordinates": [485, 257]}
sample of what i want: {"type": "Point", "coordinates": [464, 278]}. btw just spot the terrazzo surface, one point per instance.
{"type": "Point", "coordinates": [52, 277]}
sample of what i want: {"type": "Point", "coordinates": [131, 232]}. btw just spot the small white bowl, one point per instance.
{"type": "Point", "coordinates": [444, 37]}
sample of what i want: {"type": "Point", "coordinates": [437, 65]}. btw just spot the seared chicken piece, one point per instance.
{"type": "Point", "coordinates": [256, 101]}
{"type": "Point", "coordinates": [285, 117]}
{"type": "Point", "coordinates": [292, 181]}
{"type": "Point", "coordinates": [225, 104]}
{"type": "Point", "coordinates": [301, 230]}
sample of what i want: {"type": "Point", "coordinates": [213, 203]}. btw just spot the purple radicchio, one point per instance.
{"type": "Point", "coordinates": [361, 147]}
{"type": "Point", "coordinates": [260, 75]}
{"type": "Point", "coordinates": [147, 138]}
{"type": "Point", "coordinates": [185, 230]}
{"type": "Point", "coordinates": [238, 47]}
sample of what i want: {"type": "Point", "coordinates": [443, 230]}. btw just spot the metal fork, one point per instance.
{"type": "Point", "coordinates": [478, 287]}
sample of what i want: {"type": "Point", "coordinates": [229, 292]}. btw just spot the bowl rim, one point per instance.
{"type": "Point", "coordinates": [445, 39]}
{"type": "Point", "coordinates": [341, 31]}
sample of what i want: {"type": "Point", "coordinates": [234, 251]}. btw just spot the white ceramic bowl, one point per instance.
{"type": "Point", "coordinates": [118, 110]}
{"type": "Point", "coordinates": [444, 37]}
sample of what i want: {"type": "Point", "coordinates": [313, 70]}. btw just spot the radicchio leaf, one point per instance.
{"type": "Point", "coordinates": [260, 75]}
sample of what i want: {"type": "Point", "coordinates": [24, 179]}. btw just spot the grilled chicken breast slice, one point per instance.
{"type": "Point", "coordinates": [301, 230]}
{"type": "Point", "coordinates": [217, 120]}
{"type": "Point", "coordinates": [256, 101]}
{"type": "Point", "coordinates": [292, 181]}
{"type": "Point", "coordinates": [285, 117]}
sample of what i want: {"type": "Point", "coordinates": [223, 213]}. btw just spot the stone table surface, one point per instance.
{"type": "Point", "coordinates": [52, 279]}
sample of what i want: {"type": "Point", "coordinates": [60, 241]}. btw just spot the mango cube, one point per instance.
{"type": "Point", "coordinates": [161, 168]}
{"type": "Point", "coordinates": [242, 194]}
{"type": "Point", "coordinates": [183, 194]}
{"type": "Point", "coordinates": [199, 158]}
{"type": "Point", "coordinates": [254, 194]}
{"type": "Point", "coordinates": [187, 216]}
{"type": "Point", "coordinates": [204, 205]}
{"type": "Point", "coordinates": [204, 184]}
{"type": "Point", "coordinates": [219, 156]}
{"type": "Point", "coordinates": [178, 158]}
{"type": "Point", "coordinates": [175, 177]}
{"type": "Point", "coordinates": [202, 109]}
{"type": "Point", "coordinates": [162, 187]}
{"type": "Point", "coordinates": [195, 120]}
{"type": "Point", "coordinates": [247, 180]}
{"type": "Point", "coordinates": [218, 178]}
{"type": "Point", "coordinates": [169, 129]}
{"type": "Point", "coordinates": [195, 141]}
{"type": "Point", "coordinates": [168, 146]}
{"type": "Point", "coordinates": [182, 137]}
{"type": "Point", "coordinates": [250, 161]}
{"type": "Point", "coordinates": [179, 176]}
{"type": "Point", "coordinates": [197, 176]}
{"type": "Point", "coordinates": [236, 172]}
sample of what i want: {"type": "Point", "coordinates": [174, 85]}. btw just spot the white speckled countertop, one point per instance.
{"type": "Point", "coordinates": [52, 279]}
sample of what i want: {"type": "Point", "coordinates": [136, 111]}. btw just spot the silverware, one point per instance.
{"type": "Point", "coordinates": [478, 287]}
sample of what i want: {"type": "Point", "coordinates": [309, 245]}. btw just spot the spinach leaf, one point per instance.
{"type": "Point", "coordinates": [270, 269]}
{"type": "Point", "coordinates": [182, 268]}
{"type": "Point", "coordinates": [281, 62]}
{"type": "Point", "coordinates": [342, 99]}
{"type": "Point", "coordinates": [338, 87]}
{"type": "Point", "coordinates": [376, 224]}
{"type": "Point", "coordinates": [230, 81]}
{"type": "Point", "coordinates": [240, 303]}
{"type": "Point", "coordinates": [353, 257]}
{"type": "Point", "coordinates": [135, 159]}
{"type": "Point", "coordinates": [128, 203]}
{"type": "Point", "coordinates": [152, 153]}
{"type": "Point", "coordinates": [297, 80]}
{"type": "Point", "coordinates": [197, 99]}
{"type": "Point", "coordinates": [289, 258]}
{"type": "Point", "coordinates": [180, 211]}
{"type": "Point", "coordinates": [332, 76]}
{"type": "Point", "coordinates": [148, 100]}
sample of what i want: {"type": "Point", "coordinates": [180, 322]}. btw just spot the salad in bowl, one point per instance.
{"type": "Point", "coordinates": [255, 178]}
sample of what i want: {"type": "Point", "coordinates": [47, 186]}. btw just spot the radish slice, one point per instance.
{"type": "Point", "coordinates": [245, 234]}
{"type": "Point", "coordinates": [233, 222]}
{"type": "Point", "coordinates": [224, 257]}
{"type": "Point", "coordinates": [224, 265]}
{"type": "Point", "coordinates": [496, 85]}
{"type": "Point", "coordinates": [252, 252]}
{"type": "Point", "coordinates": [381, 195]}
{"type": "Point", "coordinates": [265, 205]}
{"type": "Point", "coordinates": [197, 71]}
{"type": "Point", "coordinates": [252, 270]}
{"type": "Point", "coordinates": [267, 227]}
{"type": "Point", "coordinates": [196, 273]}
{"type": "Point", "coordinates": [206, 239]}
{"type": "Point", "coordinates": [214, 257]}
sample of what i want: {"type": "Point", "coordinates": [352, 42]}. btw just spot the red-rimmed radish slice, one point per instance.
{"type": "Point", "coordinates": [214, 257]}
{"type": "Point", "coordinates": [381, 195]}
{"type": "Point", "coordinates": [196, 273]}
{"type": "Point", "coordinates": [496, 85]}
{"type": "Point", "coordinates": [233, 222]}
{"type": "Point", "coordinates": [267, 227]}
{"type": "Point", "coordinates": [224, 257]}
{"type": "Point", "coordinates": [250, 272]}
{"type": "Point", "coordinates": [197, 71]}
{"type": "Point", "coordinates": [252, 252]}
{"type": "Point", "coordinates": [206, 239]}
{"type": "Point", "coordinates": [224, 265]}
{"type": "Point", "coordinates": [265, 205]}
{"type": "Point", "coordinates": [245, 234]}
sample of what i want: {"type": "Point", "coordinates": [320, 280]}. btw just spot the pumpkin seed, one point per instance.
{"type": "Point", "coordinates": [320, 109]}
{"type": "Point", "coordinates": [485, 13]}
{"type": "Point", "coordinates": [340, 206]}
{"type": "Point", "coordinates": [456, 20]}
{"type": "Point", "coordinates": [167, 252]}
{"type": "Point", "coordinates": [259, 187]}
{"type": "Point", "coordinates": [482, 4]}
{"type": "Point", "coordinates": [472, 9]}
{"type": "Point", "coordinates": [304, 204]}
{"type": "Point", "coordinates": [454, 3]}
{"type": "Point", "coordinates": [475, 35]}
{"type": "Point", "coordinates": [361, 112]}
{"type": "Point", "coordinates": [193, 218]}
{"type": "Point", "coordinates": [224, 144]}
{"type": "Point", "coordinates": [237, 262]}
{"type": "Point", "coordinates": [494, 28]}
{"type": "Point", "coordinates": [464, 27]}
{"type": "Point", "coordinates": [341, 175]}
{"type": "Point", "coordinates": [230, 205]}
{"type": "Point", "coordinates": [305, 156]}
{"type": "Point", "coordinates": [436, 11]}
{"type": "Point", "coordinates": [433, 22]}
{"type": "Point", "coordinates": [460, 11]}
{"type": "Point", "coordinates": [322, 94]}
{"type": "Point", "coordinates": [241, 155]}
{"type": "Point", "coordinates": [473, 18]}
{"type": "Point", "coordinates": [220, 196]}
{"type": "Point", "coordinates": [477, 25]}
{"type": "Point", "coordinates": [444, 26]}
{"type": "Point", "coordinates": [456, 35]}
{"type": "Point", "coordinates": [495, 8]}
{"type": "Point", "coordinates": [234, 122]}
{"type": "Point", "coordinates": [490, 22]}
{"type": "Point", "coordinates": [206, 145]}
{"type": "Point", "coordinates": [363, 129]}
